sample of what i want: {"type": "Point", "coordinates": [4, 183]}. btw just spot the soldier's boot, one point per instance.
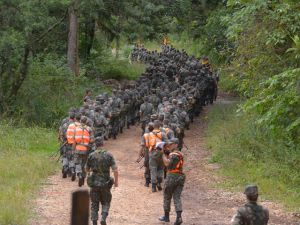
{"type": "Point", "coordinates": [165, 218]}
{"type": "Point", "coordinates": [73, 174]}
{"type": "Point", "coordinates": [64, 172]}
{"type": "Point", "coordinates": [147, 183]}
{"type": "Point", "coordinates": [114, 136]}
{"type": "Point", "coordinates": [159, 180]}
{"type": "Point", "coordinates": [121, 130]}
{"type": "Point", "coordinates": [103, 219]}
{"type": "Point", "coordinates": [94, 222]}
{"type": "Point", "coordinates": [81, 180]}
{"type": "Point", "coordinates": [154, 187]}
{"type": "Point", "coordinates": [178, 218]}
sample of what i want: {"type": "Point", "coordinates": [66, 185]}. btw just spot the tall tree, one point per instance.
{"type": "Point", "coordinates": [72, 53]}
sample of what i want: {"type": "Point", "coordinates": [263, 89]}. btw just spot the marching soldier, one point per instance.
{"type": "Point", "coordinates": [98, 166]}
{"type": "Point", "coordinates": [174, 183]}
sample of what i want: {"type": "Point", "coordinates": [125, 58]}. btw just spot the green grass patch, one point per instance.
{"type": "Point", "coordinates": [24, 164]}
{"type": "Point", "coordinates": [249, 155]}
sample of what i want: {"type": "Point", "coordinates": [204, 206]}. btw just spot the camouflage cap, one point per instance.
{"type": "Point", "coordinates": [251, 190]}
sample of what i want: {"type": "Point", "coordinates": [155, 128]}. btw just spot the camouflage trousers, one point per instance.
{"type": "Point", "coordinates": [80, 161]}
{"type": "Point", "coordinates": [68, 158]}
{"type": "Point", "coordinates": [156, 166]}
{"type": "Point", "coordinates": [100, 195]}
{"type": "Point", "coordinates": [173, 187]}
{"type": "Point", "coordinates": [146, 164]}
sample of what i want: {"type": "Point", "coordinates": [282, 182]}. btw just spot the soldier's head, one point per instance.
{"type": "Point", "coordinates": [166, 122]}
{"type": "Point", "coordinates": [72, 115]}
{"type": "Point", "coordinates": [78, 116]}
{"type": "Point", "coordinates": [98, 108]}
{"type": "Point", "coordinates": [156, 124]}
{"type": "Point", "coordinates": [174, 101]}
{"type": "Point", "coordinates": [83, 120]}
{"type": "Point", "coordinates": [146, 99]}
{"type": "Point", "coordinates": [180, 104]}
{"type": "Point", "coordinates": [251, 192]}
{"type": "Point", "coordinates": [172, 144]}
{"type": "Point", "coordinates": [99, 141]}
{"type": "Point", "coordinates": [151, 127]}
{"type": "Point", "coordinates": [153, 117]}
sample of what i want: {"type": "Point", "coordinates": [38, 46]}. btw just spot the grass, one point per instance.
{"type": "Point", "coordinates": [248, 155]}
{"type": "Point", "coordinates": [24, 164]}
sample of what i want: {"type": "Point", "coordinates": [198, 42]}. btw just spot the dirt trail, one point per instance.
{"type": "Point", "coordinates": [134, 204]}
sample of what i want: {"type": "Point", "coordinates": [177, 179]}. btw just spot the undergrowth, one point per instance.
{"type": "Point", "coordinates": [248, 155]}
{"type": "Point", "coordinates": [24, 164]}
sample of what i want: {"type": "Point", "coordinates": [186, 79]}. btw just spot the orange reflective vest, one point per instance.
{"type": "Point", "coordinates": [82, 138]}
{"type": "Point", "coordinates": [154, 137]}
{"type": "Point", "coordinates": [71, 132]}
{"type": "Point", "coordinates": [179, 166]}
{"type": "Point", "coordinates": [146, 139]}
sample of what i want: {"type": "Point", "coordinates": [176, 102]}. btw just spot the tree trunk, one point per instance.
{"type": "Point", "coordinates": [72, 54]}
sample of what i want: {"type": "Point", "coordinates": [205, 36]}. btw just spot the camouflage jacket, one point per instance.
{"type": "Point", "coordinates": [100, 162]}
{"type": "Point", "coordinates": [251, 214]}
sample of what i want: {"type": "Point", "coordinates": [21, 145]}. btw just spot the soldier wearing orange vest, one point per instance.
{"type": "Point", "coordinates": [68, 155]}
{"type": "Point", "coordinates": [173, 160]}
{"type": "Point", "coordinates": [145, 152]}
{"type": "Point", "coordinates": [83, 138]}
{"type": "Point", "coordinates": [155, 157]}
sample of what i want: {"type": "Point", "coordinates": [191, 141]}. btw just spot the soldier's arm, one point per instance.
{"type": "Point", "coordinates": [237, 219]}
{"type": "Point", "coordinates": [166, 160]}
{"type": "Point", "coordinates": [115, 171]}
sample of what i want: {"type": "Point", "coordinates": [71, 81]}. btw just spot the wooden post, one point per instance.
{"type": "Point", "coordinates": [80, 208]}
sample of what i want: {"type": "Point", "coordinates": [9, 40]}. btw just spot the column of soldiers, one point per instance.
{"type": "Point", "coordinates": [165, 99]}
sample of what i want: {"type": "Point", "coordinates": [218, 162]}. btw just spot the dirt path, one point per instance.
{"type": "Point", "coordinates": [134, 204]}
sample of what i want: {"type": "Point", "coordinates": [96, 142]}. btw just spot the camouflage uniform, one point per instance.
{"type": "Point", "coordinates": [146, 110]}
{"type": "Point", "coordinates": [251, 214]}
{"type": "Point", "coordinates": [100, 181]}
{"type": "Point", "coordinates": [173, 186]}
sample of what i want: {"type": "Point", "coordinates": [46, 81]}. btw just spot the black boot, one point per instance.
{"type": "Point", "coordinates": [159, 180]}
{"type": "Point", "coordinates": [178, 218]}
{"type": "Point", "coordinates": [154, 187]}
{"type": "Point", "coordinates": [94, 222]}
{"type": "Point", "coordinates": [103, 219]}
{"type": "Point", "coordinates": [165, 218]}
{"type": "Point", "coordinates": [73, 174]}
{"type": "Point", "coordinates": [147, 183]}
{"type": "Point", "coordinates": [81, 180]}
{"type": "Point", "coordinates": [64, 172]}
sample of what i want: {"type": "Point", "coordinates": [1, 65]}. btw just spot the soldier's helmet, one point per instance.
{"type": "Point", "coordinates": [153, 116]}
{"type": "Point", "coordinates": [174, 101]}
{"type": "Point", "coordinates": [251, 190]}
{"type": "Point", "coordinates": [150, 125]}
{"type": "Point", "coordinates": [83, 120]}
{"type": "Point", "coordinates": [146, 99]}
{"type": "Point", "coordinates": [98, 108]}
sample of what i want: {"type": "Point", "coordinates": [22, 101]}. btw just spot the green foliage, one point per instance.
{"type": "Point", "coordinates": [277, 102]}
{"type": "Point", "coordinates": [50, 91]}
{"type": "Point", "coordinates": [24, 164]}
{"type": "Point", "coordinates": [249, 154]}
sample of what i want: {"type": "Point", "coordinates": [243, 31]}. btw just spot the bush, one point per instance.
{"type": "Point", "coordinates": [249, 154]}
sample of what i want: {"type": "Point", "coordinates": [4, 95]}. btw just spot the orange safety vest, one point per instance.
{"type": "Point", "coordinates": [146, 138]}
{"type": "Point", "coordinates": [154, 137]}
{"type": "Point", "coordinates": [178, 168]}
{"type": "Point", "coordinates": [71, 132]}
{"type": "Point", "coordinates": [82, 138]}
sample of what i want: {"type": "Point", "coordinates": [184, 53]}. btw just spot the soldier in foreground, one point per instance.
{"type": "Point", "coordinates": [251, 213]}
{"type": "Point", "coordinates": [174, 183]}
{"type": "Point", "coordinates": [99, 163]}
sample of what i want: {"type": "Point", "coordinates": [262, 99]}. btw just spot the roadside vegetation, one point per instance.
{"type": "Point", "coordinates": [24, 165]}
{"type": "Point", "coordinates": [248, 155]}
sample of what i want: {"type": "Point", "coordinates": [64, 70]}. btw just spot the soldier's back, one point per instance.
{"type": "Point", "coordinates": [251, 214]}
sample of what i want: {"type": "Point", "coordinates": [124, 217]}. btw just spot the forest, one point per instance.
{"type": "Point", "coordinates": [51, 51]}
